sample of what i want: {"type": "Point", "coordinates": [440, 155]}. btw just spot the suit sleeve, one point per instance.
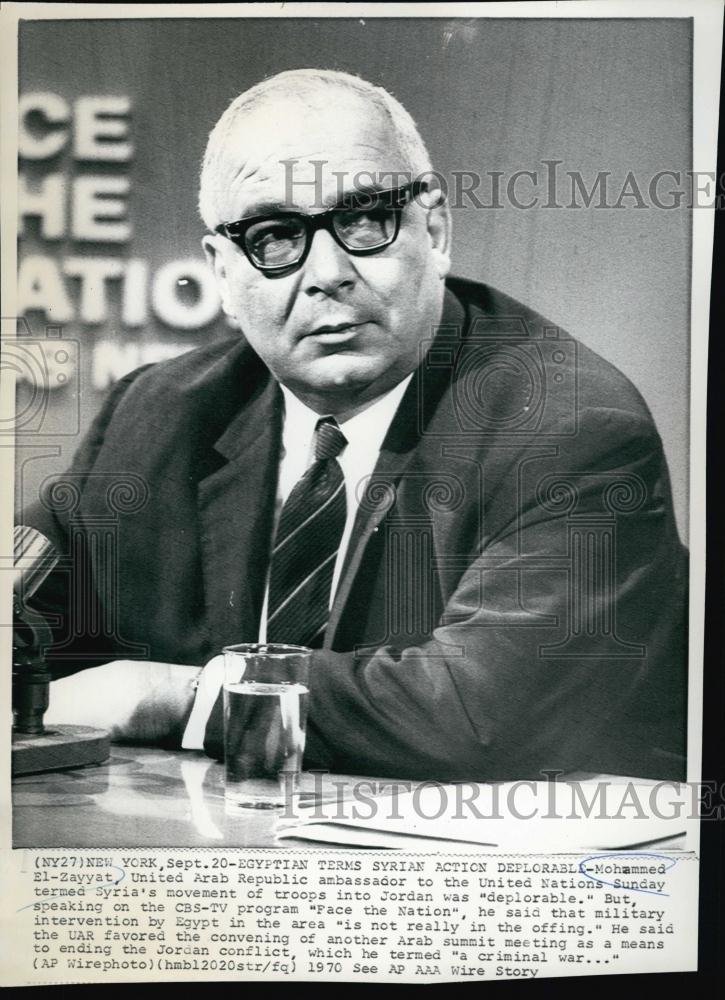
{"type": "Point", "coordinates": [561, 648]}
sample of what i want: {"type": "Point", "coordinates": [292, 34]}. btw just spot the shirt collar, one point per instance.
{"type": "Point", "coordinates": [366, 429]}
{"type": "Point", "coordinates": [299, 423]}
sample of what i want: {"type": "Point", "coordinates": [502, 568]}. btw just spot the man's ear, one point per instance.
{"type": "Point", "coordinates": [215, 260]}
{"type": "Point", "coordinates": [439, 230]}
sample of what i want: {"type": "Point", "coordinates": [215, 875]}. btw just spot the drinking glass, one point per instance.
{"type": "Point", "coordinates": [266, 690]}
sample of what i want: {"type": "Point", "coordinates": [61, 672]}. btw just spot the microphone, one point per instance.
{"type": "Point", "coordinates": [34, 559]}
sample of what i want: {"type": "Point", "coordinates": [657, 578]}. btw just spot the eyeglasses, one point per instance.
{"type": "Point", "coordinates": [364, 223]}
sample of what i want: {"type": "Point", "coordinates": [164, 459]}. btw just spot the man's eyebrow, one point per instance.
{"type": "Point", "coordinates": [337, 199]}
{"type": "Point", "coordinates": [269, 207]}
{"type": "Point", "coordinates": [360, 193]}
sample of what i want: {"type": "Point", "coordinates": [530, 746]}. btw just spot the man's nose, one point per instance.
{"type": "Point", "coordinates": [328, 266]}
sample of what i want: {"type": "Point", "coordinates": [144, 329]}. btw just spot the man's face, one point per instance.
{"type": "Point", "coordinates": [341, 330]}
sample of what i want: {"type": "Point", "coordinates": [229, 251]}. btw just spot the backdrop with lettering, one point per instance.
{"type": "Point", "coordinates": [564, 146]}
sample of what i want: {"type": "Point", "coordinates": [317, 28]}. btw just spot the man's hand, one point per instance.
{"type": "Point", "coordinates": [136, 701]}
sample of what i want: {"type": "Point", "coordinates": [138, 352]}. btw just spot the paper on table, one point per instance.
{"type": "Point", "coordinates": [347, 836]}
{"type": "Point", "coordinates": [519, 816]}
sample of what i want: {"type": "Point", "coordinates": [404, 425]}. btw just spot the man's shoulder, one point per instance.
{"type": "Point", "coordinates": [174, 411]}
{"type": "Point", "coordinates": [197, 369]}
{"type": "Point", "coordinates": [215, 378]}
{"type": "Point", "coordinates": [564, 363]}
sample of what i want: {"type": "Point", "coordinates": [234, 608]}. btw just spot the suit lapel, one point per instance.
{"type": "Point", "coordinates": [379, 495]}
{"type": "Point", "coordinates": [236, 511]}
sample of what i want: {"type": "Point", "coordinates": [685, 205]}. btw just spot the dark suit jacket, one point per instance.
{"type": "Point", "coordinates": [513, 597]}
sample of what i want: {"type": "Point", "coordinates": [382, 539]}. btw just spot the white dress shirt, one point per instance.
{"type": "Point", "coordinates": [364, 433]}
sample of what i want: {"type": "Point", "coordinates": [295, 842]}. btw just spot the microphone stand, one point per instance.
{"type": "Point", "coordinates": [34, 747]}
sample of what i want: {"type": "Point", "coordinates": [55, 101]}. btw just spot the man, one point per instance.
{"type": "Point", "coordinates": [495, 587]}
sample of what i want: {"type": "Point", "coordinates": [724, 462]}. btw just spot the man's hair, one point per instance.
{"type": "Point", "coordinates": [302, 83]}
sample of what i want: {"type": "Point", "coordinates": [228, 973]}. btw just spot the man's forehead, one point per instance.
{"type": "Point", "coordinates": [287, 118]}
{"type": "Point", "coordinates": [298, 152]}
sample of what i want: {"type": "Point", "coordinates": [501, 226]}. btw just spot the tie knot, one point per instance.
{"type": "Point", "coordinates": [329, 439]}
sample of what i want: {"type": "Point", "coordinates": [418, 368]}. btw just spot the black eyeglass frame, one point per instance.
{"type": "Point", "coordinates": [393, 199]}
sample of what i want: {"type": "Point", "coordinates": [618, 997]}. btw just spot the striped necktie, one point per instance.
{"type": "Point", "coordinates": [306, 544]}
